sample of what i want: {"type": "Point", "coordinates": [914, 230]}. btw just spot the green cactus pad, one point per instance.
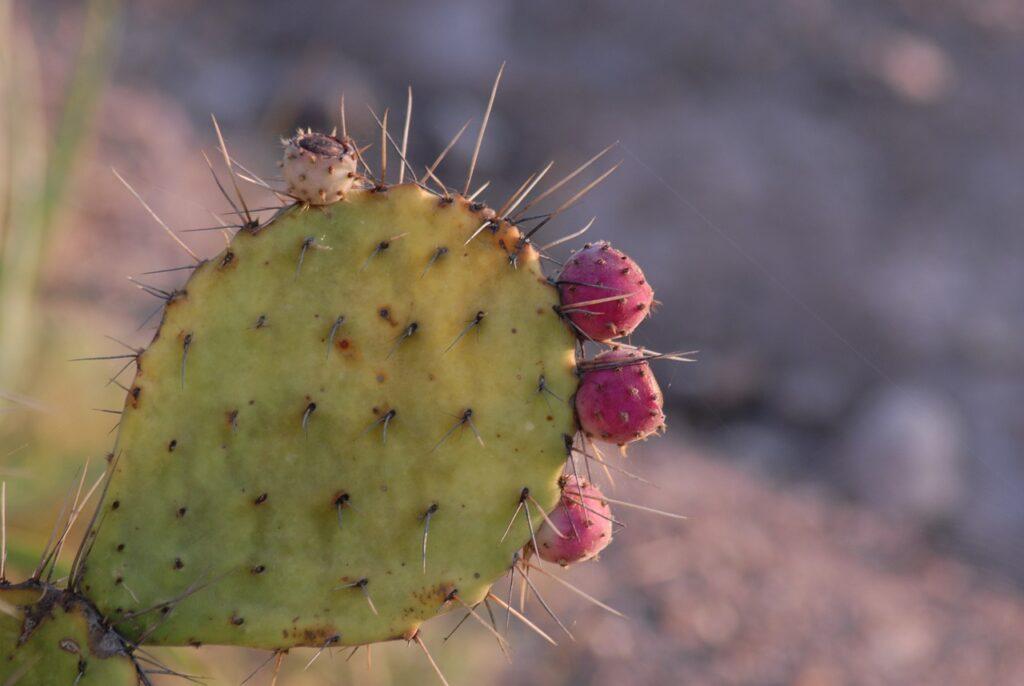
{"type": "Point", "coordinates": [62, 642]}
{"type": "Point", "coordinates": [254, 489]}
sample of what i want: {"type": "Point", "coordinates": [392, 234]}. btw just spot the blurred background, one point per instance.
{"type": "Point", "coordinates": [826, 195]}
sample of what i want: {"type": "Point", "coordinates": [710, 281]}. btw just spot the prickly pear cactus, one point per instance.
{"type": "Point", "coordinates": [359, 415]}
{"type": "Point", "coordinates": [49, 636]}
{"type": "Point", "coordinates": [335, 421]}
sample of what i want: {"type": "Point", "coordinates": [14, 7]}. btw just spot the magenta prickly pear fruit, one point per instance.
{"type": "Point", "coordinates": [319, 169]}
{"type": "Point", "coordinates": [604, 292]}
{"type": "Point", "coordinates": [619, 400]}
{"type": "Point", "coordinates": [578, 528]}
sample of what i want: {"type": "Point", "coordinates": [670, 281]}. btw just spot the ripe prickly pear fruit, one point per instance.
{"type": "Point", "coordinates": [619, 400]}
{"type": "Point", "coordinates": [578, 528]}
{"type": "Point", "coordinates": [604, 292]}
{"type": "Point", "coordinates": [49, 637]}
{"type": "Point", "coordinates": [319, 169]}
{"type": "Point", "coordinates": [331, 428]}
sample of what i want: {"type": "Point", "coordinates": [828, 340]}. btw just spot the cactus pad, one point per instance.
{"type": "Point", "coordinates": [49, 638]}
{"type": "Point", "coordinates": [335, 384]}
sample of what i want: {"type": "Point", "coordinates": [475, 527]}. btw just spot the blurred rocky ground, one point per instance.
{"type": "Point", "coordinates": [826, 196]}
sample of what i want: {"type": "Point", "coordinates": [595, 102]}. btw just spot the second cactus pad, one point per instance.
{"type": "Point", "coordinates": [51, 638]}
{"type": "Point", "coordinates": [335, 393]}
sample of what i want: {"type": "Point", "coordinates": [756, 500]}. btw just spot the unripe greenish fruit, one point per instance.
{"type": "Point", "coordinates": [319, 169]}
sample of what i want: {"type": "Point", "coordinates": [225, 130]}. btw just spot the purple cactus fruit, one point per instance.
{"type": "Point", "coordinates": [583, 521]}
{"type": "Point", "coordinates": [604, 293]}
{"type": "Point", "coordinates": [618, 400]}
